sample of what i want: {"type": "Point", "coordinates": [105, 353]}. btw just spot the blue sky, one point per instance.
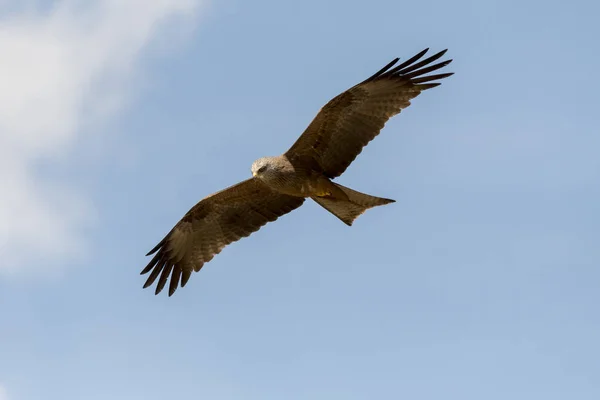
{"type": "Point", "coordinates": [480, 282]}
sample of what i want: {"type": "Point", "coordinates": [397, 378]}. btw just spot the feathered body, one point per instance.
{"type": "Point", "coordinates": [282, 176]}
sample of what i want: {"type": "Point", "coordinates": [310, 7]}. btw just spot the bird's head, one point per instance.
{"type": "Point", "coordinates": [261, 166]}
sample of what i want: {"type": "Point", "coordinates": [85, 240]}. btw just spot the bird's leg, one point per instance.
{"type": "Point", "coordinates": [326, 188]}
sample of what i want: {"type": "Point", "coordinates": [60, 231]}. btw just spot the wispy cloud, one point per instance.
{"type": "Point", "coordinates": [62, 69]}
{"type": "Point", "coordinates": [3, 394]}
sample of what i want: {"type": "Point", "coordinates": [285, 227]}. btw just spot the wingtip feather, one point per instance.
{"type": "Point", "coordinates": [156, 248]}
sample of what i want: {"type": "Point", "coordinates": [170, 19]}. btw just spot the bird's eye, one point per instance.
{"type": "Point", "coordinates": [262, 169]}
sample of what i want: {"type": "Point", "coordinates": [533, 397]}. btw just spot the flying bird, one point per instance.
{"type": "Point", "coordinates": [280, 184]}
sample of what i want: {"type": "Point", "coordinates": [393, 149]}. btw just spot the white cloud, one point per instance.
{"type": "Point", "coordinates": [3, 394]}
{"type": "Point", "coordinates": [62, 69]}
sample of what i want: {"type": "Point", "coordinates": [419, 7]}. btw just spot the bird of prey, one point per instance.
{"type": "Point", "coordinates": [280, 184]}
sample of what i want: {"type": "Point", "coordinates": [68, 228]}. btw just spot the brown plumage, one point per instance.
{"type": "Point", "coordinates": [281, 184]}
{"type": "Point", "coordinates": [213, 223]}
{"type": "Point", "coordinates": [352, 119]}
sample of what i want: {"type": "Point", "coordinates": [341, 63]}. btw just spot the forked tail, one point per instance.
{"type": "Point", "coordinates": [347, 208]}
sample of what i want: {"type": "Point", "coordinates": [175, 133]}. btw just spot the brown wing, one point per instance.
{"type": "Point", "coordinates": [352, 119]}
{"type": "Point", "coordinates": [212, 224]}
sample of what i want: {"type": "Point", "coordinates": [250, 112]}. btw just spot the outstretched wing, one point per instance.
{"type": "Point", "coordinates": [216, 221]}
{"type": "Point", "coordinates": [352, 119]}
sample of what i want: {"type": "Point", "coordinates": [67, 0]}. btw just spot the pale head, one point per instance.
{"type": "Point", "coordinates": [262, 166]}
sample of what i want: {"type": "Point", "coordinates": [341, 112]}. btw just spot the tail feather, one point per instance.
{"type": "Point", "coordinates": [351, 207]}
